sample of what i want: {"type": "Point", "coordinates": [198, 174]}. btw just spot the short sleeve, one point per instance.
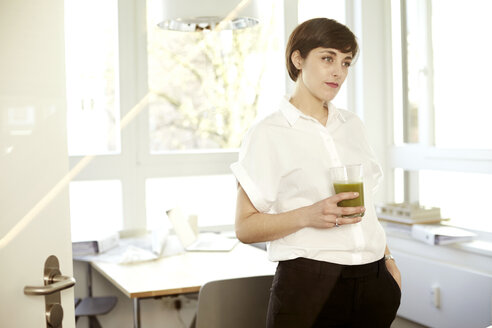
{"type": "Point", "coordinates": [258, 168]}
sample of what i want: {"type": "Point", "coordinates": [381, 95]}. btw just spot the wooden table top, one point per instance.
{"type": "Point", "coordinates": [186, 272]}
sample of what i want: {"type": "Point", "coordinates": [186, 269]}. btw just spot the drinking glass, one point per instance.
{"type": "Point", "coordinates": [349, 178]}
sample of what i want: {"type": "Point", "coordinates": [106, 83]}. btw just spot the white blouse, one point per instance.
{"type": "Point", "coordinates": [284, 164]}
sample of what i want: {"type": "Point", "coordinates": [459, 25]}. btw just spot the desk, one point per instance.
{"type": "Point", "coordinates": [183, 273]}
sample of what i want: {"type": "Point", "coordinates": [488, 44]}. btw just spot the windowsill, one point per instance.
{"type": "Point", "coordinates": [480, 244]}
{"type": "Point", "coordinates": [470, 254]}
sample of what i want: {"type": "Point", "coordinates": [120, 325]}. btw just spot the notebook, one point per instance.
{"type": "Point", "coordinates": [194, 241]}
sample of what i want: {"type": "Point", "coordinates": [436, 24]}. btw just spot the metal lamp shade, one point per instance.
{"type": "Point", "coordinates": [203, 15]}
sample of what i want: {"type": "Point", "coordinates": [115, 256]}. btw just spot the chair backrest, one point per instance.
{"type": "Point", "coordinates": [238, 303]}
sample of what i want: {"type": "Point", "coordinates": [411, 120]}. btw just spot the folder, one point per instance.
{"type": "Point", "coordinates": [440, 234]}
{"type": "Point", "coordinates": [95, 245]}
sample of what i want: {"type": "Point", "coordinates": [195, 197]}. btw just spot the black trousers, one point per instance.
{"type": "Point", "coordinates": [309, 293]}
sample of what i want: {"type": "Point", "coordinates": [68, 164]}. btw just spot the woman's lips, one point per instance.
{"type": "Point", "coordinates": [332, 84]}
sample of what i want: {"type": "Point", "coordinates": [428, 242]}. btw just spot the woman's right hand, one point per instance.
{"type": "Point", "coordinates": [253, 226]}
{"type": "Point", "coordinates": [326, 213]}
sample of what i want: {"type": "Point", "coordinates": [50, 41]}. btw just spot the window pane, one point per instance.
{"type": "Point", "coordinates": [399, 185]}
{"type": "Point", "coordinates": [334, 9]}
{"type": "Point", "coordinates": [212, 198]}
{"type": "Point", "coordinates": [95, 207]}
{"type": "Point", "coordinates": [462, 197]}
{"type": "Point", "coordinates": [208, 87]}
{"type": "Point", "coordinates": [463, 109]}
{"type": "Point", "coordinates": [417, 70]}
{"type": "Point", "coordinates": [397, 62]}
{"type": "Point", "coordinates": [91, 50]}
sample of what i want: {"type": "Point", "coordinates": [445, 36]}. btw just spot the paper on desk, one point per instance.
{"type": "Point", "coordinates": [133, 254]}
{"type": "Point", "coordinates": [134, 250]}
{"type": "Point", "coordinates": [129, 250]}
{"type": "Point", "coordinates": [142, 253]}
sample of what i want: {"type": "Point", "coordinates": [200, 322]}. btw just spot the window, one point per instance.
{"type": "Point", "coordinates": [211, 197]}
{"type": "Point", "coordinates": [207, 86]}
{"type": "Point", "coordinates": [205, 91]}
{"type": "Point", "coordinates": [92, 77]}
{"type": "Point", "coordinates": [441, 108]}
{"type": "Point", "coordinates": [469, 107]}
{"type": "Point", "coordinates": [95, 206]}
{"type": "Point", "coordinates": [93, 112]}
{"type": "Point", "coordinates": [449, 190]}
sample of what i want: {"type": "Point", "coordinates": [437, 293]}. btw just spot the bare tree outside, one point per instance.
{"type": "Point", "coordinates": [205, 86]}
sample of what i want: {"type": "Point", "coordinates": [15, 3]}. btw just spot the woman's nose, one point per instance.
{"type": "Point", "coordinates": [336, 71]}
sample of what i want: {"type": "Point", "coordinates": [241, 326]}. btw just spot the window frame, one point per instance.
{"type": "Point", "coordinates": [135, 163]}
{"type": "Point", "coordinates": [424, 155]}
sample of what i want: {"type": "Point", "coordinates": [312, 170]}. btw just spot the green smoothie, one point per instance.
{"type": "Point", "coordinates": [350, 187]}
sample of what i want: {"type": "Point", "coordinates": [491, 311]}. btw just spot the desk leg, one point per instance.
{"type": "Point", "coordinates": [136, 313]}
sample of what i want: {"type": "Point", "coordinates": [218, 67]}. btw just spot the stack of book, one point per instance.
{"type": "Point", "coordinates": [94, 245]}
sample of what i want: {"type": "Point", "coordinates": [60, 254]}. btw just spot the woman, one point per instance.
{"type": "Point", "coordinates": [332, 271]}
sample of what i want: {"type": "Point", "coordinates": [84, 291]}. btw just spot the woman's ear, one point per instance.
{"type": "Point", "coordinates": [297, 59]}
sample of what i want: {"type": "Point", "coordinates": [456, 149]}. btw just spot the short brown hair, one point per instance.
{"type": "Point", "coordinates": [319, 32]}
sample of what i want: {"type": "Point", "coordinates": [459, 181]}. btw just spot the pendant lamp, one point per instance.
{"type": "Point", "coordinates": [206, 15]}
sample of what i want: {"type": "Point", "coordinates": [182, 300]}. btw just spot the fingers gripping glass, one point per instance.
{"type": "Point", "coordinates": [349, 178]}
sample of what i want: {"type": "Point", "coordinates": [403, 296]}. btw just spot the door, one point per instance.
{"type": "Point", "coordinates": [34, 217]}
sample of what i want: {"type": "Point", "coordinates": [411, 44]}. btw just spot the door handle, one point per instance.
{"type": "Point", "coordinates": [55, 284]}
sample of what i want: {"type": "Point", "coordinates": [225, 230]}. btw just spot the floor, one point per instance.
{"type": "Point", "coordinates": [404, 323]}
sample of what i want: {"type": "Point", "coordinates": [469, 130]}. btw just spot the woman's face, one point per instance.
{"type": "Point", "coordinates": [323, 71]}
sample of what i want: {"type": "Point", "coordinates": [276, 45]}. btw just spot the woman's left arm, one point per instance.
{"type": "Point", "coordinates": [392, 268]}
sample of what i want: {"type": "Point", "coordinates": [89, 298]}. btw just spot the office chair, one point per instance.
{"type": "Point", "coordinates": [91, 306]}
{"type": "Point", "coordinates": [238, 303]}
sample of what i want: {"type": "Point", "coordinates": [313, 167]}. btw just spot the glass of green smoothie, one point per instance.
{"type": "Point", "coordinates": [348, 178]}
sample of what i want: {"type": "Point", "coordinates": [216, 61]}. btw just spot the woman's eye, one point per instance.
{"type": "Point", "coordinates": [328, 59]}
{"type": "Point", "coordinates": [347, 64]}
